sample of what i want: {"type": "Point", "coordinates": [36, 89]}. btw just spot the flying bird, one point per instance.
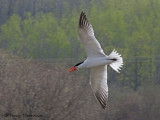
{"type": "Point", "coordinates": [96, 61]}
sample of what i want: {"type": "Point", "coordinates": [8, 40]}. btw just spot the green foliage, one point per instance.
{"type": "Point", "coordinates": [132, 27]}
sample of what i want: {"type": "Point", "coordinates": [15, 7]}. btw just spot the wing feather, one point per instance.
{"type": "Point", "coordinates": [87, 38]}
{"type": "Point", "coordinates": [98, 80]}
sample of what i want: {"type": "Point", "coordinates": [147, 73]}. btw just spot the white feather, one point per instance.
{"type": "Point", "coordinates": [119, 61]}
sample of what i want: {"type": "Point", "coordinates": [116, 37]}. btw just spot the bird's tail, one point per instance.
{"type": "Point", "coordinates": [117, 60]}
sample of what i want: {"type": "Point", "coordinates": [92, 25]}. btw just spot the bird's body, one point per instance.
{"type": "Point", "coordinates": [96, 60]}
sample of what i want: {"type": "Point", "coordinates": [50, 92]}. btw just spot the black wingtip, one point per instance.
{"type": "Point", "coordinates": [83, 21]}
{"type": "Point", "coordinates": [82, 12]}
{"type": "Point", "coordinates": [102, 102]}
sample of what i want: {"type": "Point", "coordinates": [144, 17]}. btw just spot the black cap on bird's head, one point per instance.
{"type": "Point", "coordinates": [75, 67]}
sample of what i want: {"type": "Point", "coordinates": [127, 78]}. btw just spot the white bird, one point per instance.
{"type": "Point", "coordinates": [96, 60]}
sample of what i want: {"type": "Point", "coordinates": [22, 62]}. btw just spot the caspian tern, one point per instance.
{"type": "Point", "coordinates": [96, 60]}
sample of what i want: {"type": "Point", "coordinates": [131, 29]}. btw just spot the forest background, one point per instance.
{"type": "Point", "coordinates": [38, 42]}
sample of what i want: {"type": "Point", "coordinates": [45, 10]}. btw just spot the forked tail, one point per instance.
{"type": "Point", "coordinates": [117, 61]}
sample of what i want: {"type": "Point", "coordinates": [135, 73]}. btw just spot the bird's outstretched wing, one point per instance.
{"type": "Point", "coordinates": [98, 81]}
{"type": "Point", "coordinates": [87, 38]}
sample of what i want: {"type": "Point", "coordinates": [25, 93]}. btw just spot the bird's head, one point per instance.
{"type": "Point", "coordinates": [75, 67]}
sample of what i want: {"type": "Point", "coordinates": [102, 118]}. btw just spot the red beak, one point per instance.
{"type": "Point", "coordinates": [72, 69]}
